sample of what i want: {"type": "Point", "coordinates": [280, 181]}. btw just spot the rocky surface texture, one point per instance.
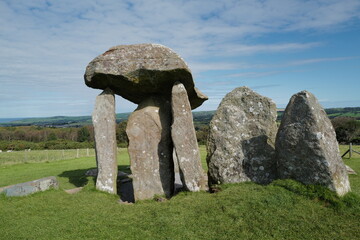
{"type": "Point", "coordinates": [185, 142]}
{"type": "Point", "coordinates": [241, 139]}
{"type": "Point", "coordinates": [94, 172]}
{"type": "Point", "coordinates": [139, 71]}
{"type": "Point", "coordinates": [23, 189]}
{"type": "Point", "coordinates": [306, 146]}
{"type": "Point", "coordinates": [350, 170]}
{"type": "Point", "coordinates": [150, 149]}
{"type": "Point", "coordinates": [105, 141]}
{"type": "Point", "coordinates": [145, 74]}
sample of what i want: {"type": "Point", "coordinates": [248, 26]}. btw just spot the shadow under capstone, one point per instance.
{"type": "Point", "coordinates": [125, 190]}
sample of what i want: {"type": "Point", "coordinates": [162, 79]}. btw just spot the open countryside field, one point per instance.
{"type": "Point", "coordinates": [281, 210]}
{"type": "Point", "coordinates": [33, 156]}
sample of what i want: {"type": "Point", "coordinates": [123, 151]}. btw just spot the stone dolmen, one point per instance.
{"type": "Point", "coordinates": [159, 81]}
{"type": "Point", "coordinates": [244, 143]}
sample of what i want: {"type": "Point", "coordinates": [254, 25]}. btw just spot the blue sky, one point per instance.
{"type": "Point", "coordinates": [275, 47]}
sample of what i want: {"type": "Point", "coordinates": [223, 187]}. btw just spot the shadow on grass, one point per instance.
{"type": "Point", "coordinates": [124, 186]}
{"type": "Point", "coordinates": [77, 177]}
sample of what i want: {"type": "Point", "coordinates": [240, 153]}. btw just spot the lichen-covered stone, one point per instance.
{"type": "Point", "coordinates": [150, 149]}
{"type": "Point", "coordinates": [139, 71]}
{"type": "Point", "coordinates": [350, 171]}
{"type": "Point", "coordinates": [185, 142]}
{"type": "Point", "coordinates": [27, 188]}
{"type": "Point", "coordinates": [241, 139]}
{"type": "Point", "coordinates": [306, 146]}
{"type": "Point", "coordinates": [105, 141]}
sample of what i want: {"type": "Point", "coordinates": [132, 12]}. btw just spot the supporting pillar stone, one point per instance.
{"type": "Point", "coordinates": [150, 149]}
{"type": "Point", "coordinates": [185, 142]}
{"type": "Point", "coordinates": [105, 141]}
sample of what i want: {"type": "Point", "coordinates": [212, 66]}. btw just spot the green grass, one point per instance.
{"type": "Point", "coordinates": [33, 156]}
{"type": "Point", "coordinates": [281, 210]}
{"type": "Point", "coordinates": [70, 173]}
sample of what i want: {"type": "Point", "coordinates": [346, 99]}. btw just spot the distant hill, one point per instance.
{"type": "Point", "coordinates": [5, 120]}
{"type": "Point", "coordinates": [335, 112]}
{"type": "Point", "coordinates": [57, 121]}
{"type": "Point", "coordinates": [202, 118]}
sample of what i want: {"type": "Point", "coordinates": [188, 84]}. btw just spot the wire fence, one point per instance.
{"type": "Point", "coordinates": [29, 156]}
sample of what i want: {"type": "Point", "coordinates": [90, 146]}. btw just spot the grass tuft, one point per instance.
{"type": "Point", "coordinates": [319, 194]}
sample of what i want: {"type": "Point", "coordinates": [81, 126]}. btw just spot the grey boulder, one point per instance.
{"type": "Point", "coordinates": [306, 146]}
{"type": "Point", "coordinates": [241, 140]}
{"type": "Point", "coordinates": [23, 189]}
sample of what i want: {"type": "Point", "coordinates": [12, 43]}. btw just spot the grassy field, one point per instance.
{"type": "Point", "coordinates": [33, 156]}
{"type": "Point", "coordinates": [281, 210]}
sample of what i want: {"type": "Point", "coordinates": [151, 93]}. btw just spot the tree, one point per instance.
{"type": "Point", "coordinates": [83, 135]}
{"type": "Point", "coordinates": [202, 133]}
{"type": "Point", "coordinates": [347, 129]}
{"type": "Point", "coordinates": [121, 135]}
{"type": "Point", "coordinates": [52, 136]}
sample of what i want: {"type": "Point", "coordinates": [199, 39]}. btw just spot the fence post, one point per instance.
{"type": "Point", "coordinates": [25, 155]}
{"type": "Point", "coordinates": [350, 150]}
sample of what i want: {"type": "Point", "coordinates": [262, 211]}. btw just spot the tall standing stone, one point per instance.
{"type": "Point", "coordinates": [105, 141]}
{"type": "Point", "coordinates": [241, 139]}
{"type": "Point", "coordinates": [150, 149]}
{"type": "Point", "coordinates": [306, 146]}
{"type": "Point", "coordinates": [184, 139]}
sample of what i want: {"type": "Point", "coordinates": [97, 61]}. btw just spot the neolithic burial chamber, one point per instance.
{"type": "Point", "coordinates": [159, 81]}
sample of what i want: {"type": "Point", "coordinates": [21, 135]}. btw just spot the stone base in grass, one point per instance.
{"type": "Point", "coordinates": [23, 189]}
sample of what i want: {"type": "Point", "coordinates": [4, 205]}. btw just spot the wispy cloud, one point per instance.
{"type": "Point", "coordinates": [318, 60]}
{"type": "Point", "coordinates": [46, 45]}
{"type": "Point", "coordinates": [265, 86]}
{"type": "Point", "coordinates": [252, 74]}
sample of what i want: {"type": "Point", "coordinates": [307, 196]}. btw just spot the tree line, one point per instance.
{"type": "Point", "coordinates": [38, 137]}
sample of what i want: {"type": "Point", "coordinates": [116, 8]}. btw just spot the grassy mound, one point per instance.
{"type": "Point", "coordinates": [284, 209]}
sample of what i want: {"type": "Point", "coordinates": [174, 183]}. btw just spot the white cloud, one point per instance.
{"type": "Point", "coordinates": [46, 45]}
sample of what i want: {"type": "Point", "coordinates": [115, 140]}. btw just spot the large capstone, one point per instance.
{"type": "Point", "coordinates": [241, 139]}
{"type": "Point", "coordinates": [306, 146]}
{"type": "Point", "coordinates": [139, 71]}
{"type": "Point", "coordinates": [105, 141]}
{"type": "Point", "coordinates": [185, 142]}
{"type": "Point", "coordinates": [150, 149]}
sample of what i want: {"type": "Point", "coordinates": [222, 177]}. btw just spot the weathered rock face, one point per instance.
{"type": "Point", "coordinates": [184, 139]}
{"type": "Point", "coordinates": [306, 146]}
{"type": "Point", "coordinates": [241, 140]}
{"type": "Point", "coordinates": [105, 141]}
{"type": "Point", "coordinates": [350, 171]}
{"type": "Point", "coordinates": [150, 149]}
{"type": "Point", "coordinates": [23, 189]}
{"type": "Point", "coordinates": [139, 71]}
